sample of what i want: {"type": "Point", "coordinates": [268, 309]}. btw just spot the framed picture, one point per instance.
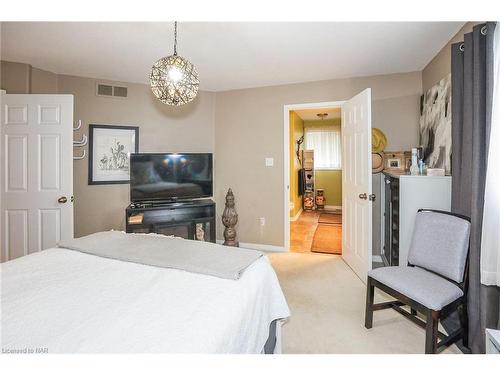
{"type": "Point", "coordinates": [394, 163]}
{"type": "Point", "coordinates": [435, 125]}
{"type": "Point", "coordinates": [109, 153]}
{"type": "Point", "coordinates": [395, 160]}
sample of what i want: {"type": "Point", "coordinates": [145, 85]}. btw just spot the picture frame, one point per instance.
{"type": "Point", "coordinates": [395, 161]}
{"type": "Point", "coordinates": [110, 147]}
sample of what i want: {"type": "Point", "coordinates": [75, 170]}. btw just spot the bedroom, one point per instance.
{"type": "Point", "coordinates": [212, 172]}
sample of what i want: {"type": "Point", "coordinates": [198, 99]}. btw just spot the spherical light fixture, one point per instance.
{"type": "Point", "coordinates": [174, 80]}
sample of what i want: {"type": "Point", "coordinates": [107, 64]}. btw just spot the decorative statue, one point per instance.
{"type": "Point", "coordinates": [229, 219]}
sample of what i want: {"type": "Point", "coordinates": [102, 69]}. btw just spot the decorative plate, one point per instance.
{"type": "Point", "coordinates": [377, 162]}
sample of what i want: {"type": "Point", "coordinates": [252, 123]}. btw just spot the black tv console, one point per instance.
{"type": "Point", "coordinates": [194, 219]}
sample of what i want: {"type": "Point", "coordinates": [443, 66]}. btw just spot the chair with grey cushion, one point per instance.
{"type": "Point", "coordinates": [435, 281]}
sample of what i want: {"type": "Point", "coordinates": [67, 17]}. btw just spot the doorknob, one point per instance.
{"type": "Point", "coordinates": [62, 200]}
{"type": "Point", "coordinates": [362, 196]}
{"type": "Point", "coordinates": [372, 197]}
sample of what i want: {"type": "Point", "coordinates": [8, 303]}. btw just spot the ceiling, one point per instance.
{"type": "Point", "coordinates": [312, 114]}
{"type": "Point", "coordinates": [228, 55]}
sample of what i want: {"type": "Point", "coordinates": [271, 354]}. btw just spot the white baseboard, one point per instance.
{"type": "Point", "coordinates": [259, 246]}
{"type": "Point", "coordinates": [377, 258]}
{"type": "Point", "coordinates": [296, 216]}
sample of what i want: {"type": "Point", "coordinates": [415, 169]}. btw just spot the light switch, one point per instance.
{"type": "Point", "coordinates": [269, 162]}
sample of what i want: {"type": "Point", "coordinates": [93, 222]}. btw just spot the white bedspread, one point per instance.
{"type": "Point", "coordinates": [65, 301]}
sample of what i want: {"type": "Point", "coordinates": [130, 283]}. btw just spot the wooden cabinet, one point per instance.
{"type": "Point", "coordinates": [193, 220]}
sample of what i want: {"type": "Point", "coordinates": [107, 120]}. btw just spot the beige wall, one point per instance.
{"type": "Point", "coordinates": [15, 77]}
{"type": "Point", "coordinates": [43, 82]}
{"type": "Point", "coordinates": [249, 128]}
{"type": "Point", "coordinates": [161, 129]}
{"type": "Point", "coordinates": [440, 65]}
{"type": "Point", "coordinates": [19, 78]}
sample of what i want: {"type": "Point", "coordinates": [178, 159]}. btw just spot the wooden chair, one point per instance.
{"type": "Point", "coordinates": [435, 281]}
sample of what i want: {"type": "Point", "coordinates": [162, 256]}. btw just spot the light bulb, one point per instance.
{"type": "Point", "coordinates": [175, 74]}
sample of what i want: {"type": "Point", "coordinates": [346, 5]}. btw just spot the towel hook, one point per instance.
{"type": "Point", "coordinates": [81, 143]}
{"type": "Point", "coordinates": [78, 126]}
{"type": "Point", "coordinates": [80, 157]}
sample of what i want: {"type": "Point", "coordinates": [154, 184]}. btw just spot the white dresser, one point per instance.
{"type": "Point", "coordinates": [402, 196]}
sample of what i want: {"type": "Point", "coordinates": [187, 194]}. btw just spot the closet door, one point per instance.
{"type": "Point", "coordinates": [36, 161]}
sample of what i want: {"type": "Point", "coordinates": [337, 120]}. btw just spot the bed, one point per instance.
{"type": "Point", "coordinates": [61, 300]}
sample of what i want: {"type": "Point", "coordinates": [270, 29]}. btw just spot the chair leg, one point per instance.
{"type": "Point", "coordinates": [370, 291]}
{"type": "Point", "coordinates": [431, 330]}
{"type": "Point", "coordinates": [464, 322]}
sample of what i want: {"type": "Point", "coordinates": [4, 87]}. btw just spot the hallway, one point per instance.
{"type": "Point", "coordinates": [316, 231]}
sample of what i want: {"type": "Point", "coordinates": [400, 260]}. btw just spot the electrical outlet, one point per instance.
{"type": "Point", "coordinates": [269, 162]}
{"type": "Point", "coordinates": [262, 221]}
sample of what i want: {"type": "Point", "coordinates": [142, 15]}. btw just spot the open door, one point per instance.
{"type": "Point", "coordinates": [36, 168]}
{"type": "Point", "coordinates": [357, 183]}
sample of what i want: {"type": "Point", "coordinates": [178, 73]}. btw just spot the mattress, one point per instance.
{"type": "Point", "coordinates": [63, 301]}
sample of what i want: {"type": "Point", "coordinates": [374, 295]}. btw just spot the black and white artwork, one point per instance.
{"type": "Point", "coordinates": [435, 125]}
{"type": "Point", "coordinates": [110, 147]}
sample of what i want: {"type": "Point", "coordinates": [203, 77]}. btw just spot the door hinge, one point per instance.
{"type": "Point", "coordinates": [372, 197]}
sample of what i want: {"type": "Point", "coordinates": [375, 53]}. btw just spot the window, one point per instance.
{"type": "Point", "coordinates": [326, 143]}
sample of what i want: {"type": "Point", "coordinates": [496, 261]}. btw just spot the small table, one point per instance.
{"type": "Point", "coordinates": [492, 341]}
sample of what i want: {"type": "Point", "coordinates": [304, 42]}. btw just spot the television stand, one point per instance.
{"type": "Point", "coordinates": [193, 219]}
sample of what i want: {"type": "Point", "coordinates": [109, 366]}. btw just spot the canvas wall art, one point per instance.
{"type": "Point", "coordinates": [435, 125]}
{"type": "Point", "coordinates": [110, 147]}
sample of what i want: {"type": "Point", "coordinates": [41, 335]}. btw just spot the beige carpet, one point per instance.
{"type": "Point", "coordinates": [327, 303]}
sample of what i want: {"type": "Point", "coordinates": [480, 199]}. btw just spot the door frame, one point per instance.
{"type": "Point", "coordinates": [2, 93]}
{"type": "Point", "coordinates": [286, 158]}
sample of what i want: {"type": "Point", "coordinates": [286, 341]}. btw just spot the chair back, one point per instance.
{"type": "Point", "coordinates": [440, 243]}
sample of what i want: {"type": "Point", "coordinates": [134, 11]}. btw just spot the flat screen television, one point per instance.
{"type": "Point", "coordinates": [170, 177]}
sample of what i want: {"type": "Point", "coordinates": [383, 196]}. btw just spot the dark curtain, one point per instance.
{"type": "Point", "coordinates": [472, 89]}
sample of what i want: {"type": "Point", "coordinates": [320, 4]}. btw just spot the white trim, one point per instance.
{"type": "Point", "coordinates": [259, 246]}
{"type": "Point", "coordinates": [377, 259]}
{"type": "Point", "coordinates": [263, 247]}
{"type": "Point", "coordinates": [297, 215]}
{"type": "Point", "coordinates": [3, 251]}
{"type": "Point", "coordinates": [286, 158]}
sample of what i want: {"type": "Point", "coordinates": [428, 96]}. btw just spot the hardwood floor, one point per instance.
{"type": "Point", "coordinates": [303, 229]}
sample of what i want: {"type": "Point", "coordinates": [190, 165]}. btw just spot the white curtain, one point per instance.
{"type": "Point", "coordinates": [326, 143]}
{"type": "Point", "coordinates": [490, 246]}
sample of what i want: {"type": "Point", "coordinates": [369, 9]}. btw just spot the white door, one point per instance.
{"type": "Point", "coordinates": [36, 159]}
{"type": "Point", "coordinates": [357, 183]}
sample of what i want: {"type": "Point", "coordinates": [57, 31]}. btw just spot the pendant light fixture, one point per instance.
{"type": "Point", "coordinates": [174, 80]}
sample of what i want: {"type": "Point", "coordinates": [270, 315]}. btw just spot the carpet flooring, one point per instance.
{"type": "Point", "coordinates": [327, 303]}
